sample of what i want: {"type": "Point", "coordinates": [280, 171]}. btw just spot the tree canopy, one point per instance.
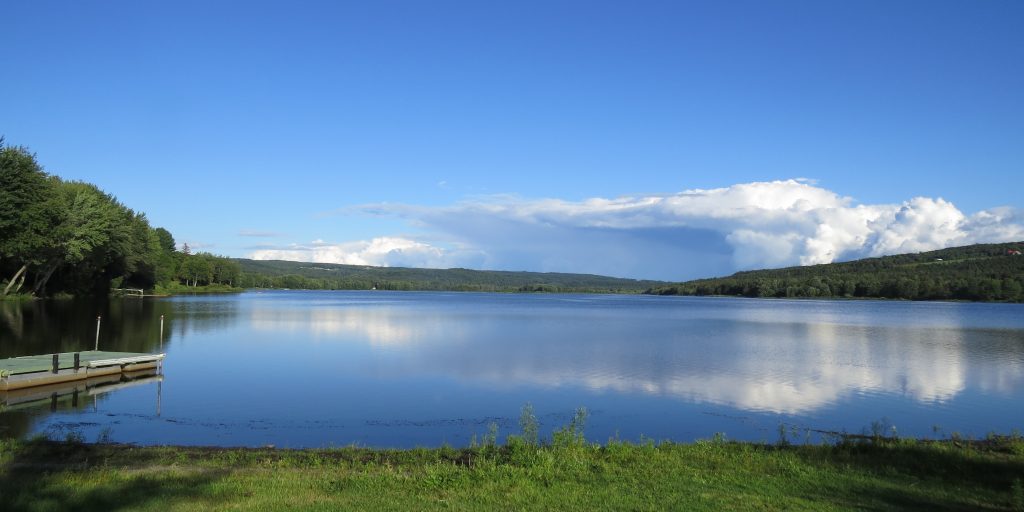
{"type": "Point", "coordinates": [70, 237]}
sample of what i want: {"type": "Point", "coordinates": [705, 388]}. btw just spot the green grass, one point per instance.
{"type": "Point", "coordinates": [566, 474]}
{"type": "Point", "coordinates": [175, 288]}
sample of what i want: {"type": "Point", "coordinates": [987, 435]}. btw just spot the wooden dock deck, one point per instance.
{"type": "Point", "coordinates": [31, 371]}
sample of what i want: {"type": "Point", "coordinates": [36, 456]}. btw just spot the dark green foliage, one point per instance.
{"type": "Point", "coordinates": [26, 196]}
{"type": "Point", "coordinates": [71, 237]}
{"type": "Point", "coordinates": [983, 272]}
{"type": "Point", "coordinates": [571, 435]}
{"type": "Point", "coordinates": [328, 276]}
{"type": "Point", "coordinates": [205, 269]}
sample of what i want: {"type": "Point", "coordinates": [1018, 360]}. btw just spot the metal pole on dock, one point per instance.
{"type": "Point", "coordinates": [161, 333]}
{"type": "Point", "coordinates": [98, 318]}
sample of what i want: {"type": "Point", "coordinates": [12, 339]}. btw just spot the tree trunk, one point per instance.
{"type": "Point", "coordinates": [21, 282]}
{"type": "Point", "coordinates": [15, 278]}
{"type": "Point", "coordinates": [41, 283]}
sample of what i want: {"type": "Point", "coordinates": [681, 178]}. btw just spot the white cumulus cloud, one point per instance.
{"type": "Point", "coordinates": [689, 234]}
{"type": "Point", "coordinates": [380, 252]}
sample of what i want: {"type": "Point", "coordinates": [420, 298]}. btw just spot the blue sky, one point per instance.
{"type": "Point", "coordinates": [560, 136]}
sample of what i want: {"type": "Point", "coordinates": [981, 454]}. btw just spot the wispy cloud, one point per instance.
{"type": "Point", "coordinates": [693, 233]}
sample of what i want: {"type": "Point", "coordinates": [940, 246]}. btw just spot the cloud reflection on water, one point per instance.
{"type": "Point", "coordinates": [782, 366]}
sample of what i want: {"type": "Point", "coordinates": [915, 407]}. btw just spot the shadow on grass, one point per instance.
{"type": "Point", "coordinates": [42, 475]}
{"type": "Point", "coordinates": [964, 476]}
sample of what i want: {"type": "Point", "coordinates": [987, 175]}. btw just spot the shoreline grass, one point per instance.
{"type": "Point", "coordinates": [566, 474]}
{"type": "Point", "coordinates": [180, 289]}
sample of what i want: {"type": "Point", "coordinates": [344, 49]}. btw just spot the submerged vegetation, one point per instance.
{"type": "Point", "coordinates": [62, 238]}
{"type": "Point", "coordinates": [564, 473]}
{"type": "Point", "coordinates": [982, 272]}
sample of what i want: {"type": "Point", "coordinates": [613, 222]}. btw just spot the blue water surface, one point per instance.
{"type": "Point", "coordinates": [403, 369]}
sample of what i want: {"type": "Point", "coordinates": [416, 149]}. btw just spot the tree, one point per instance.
{"type": "Point", "coordinates": [86, 236]}
{"type": "Point", "coordinates": [26, 213]}
{"type": "Point", "coordinates": [165, 240]}
{"type": "Point", "coordinates": [167, 257]}
{"type": "Point", "coordinates": [73, 237]}
{"type": "Point", "coordinates": [225, 271]}
{"type": "Point", "coordinates": [196, 268]}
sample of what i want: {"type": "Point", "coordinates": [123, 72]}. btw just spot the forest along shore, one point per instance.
{"type": "Point", "coordinates": [981, 272]}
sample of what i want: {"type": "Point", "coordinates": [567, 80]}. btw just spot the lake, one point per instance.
{"type": "Point", "coordinates": [404, 369]}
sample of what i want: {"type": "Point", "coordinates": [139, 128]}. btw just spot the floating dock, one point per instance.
{"type": "Point", "coordinates": [32, 371]}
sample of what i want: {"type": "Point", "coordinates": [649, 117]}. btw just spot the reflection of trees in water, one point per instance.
{"type": "Point", "coordinates": [16, 424]}
{"type": "Point", "coordinates": [190, 317]}
{"type": "Point", "coordinates": [12, 323]}
{"type": "Point", "coordinates": [128, 325]}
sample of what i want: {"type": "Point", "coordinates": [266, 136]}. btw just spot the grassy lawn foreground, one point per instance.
{"type": "Point", "coordinates": [709, 475]}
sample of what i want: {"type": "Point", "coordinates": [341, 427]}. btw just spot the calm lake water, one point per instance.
{"type": "Point", "coordinates": [403, 369]}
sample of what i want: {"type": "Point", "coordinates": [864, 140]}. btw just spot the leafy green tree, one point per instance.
{"type": "Point", "coordinates": [89, 234]}
{"type": "Point", "coordinates": [73, 237]}
{"type": "Point", "coordinates": [225, 271]}
{"type": "Point", "coordinates": [26, 213]}
{"type": "Point", "coordinates": [165, 240]}
{"type": "Point", "coordinates": [193, 268]}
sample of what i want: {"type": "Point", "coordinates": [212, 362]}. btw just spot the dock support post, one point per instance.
{"type": "Point", "coordinates": [98, 318]}
{"type": "Point", "coordinates": [56, 362]}
{"type": "Point", "coordinates": [78, 361]}
{"type": "Point", "coordinates": [161, 333]}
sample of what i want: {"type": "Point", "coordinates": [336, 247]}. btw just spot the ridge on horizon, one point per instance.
{"type": "Point", "coordinates": [978, 272]}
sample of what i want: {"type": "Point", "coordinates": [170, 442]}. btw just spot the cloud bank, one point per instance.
{"type": "Point", "coordinates": [694, 233]}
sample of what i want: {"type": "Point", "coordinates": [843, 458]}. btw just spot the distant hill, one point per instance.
{"type": "Point", "coordinates": [330, 276]}
{"type": "Point", "coordinates": [983, 272]}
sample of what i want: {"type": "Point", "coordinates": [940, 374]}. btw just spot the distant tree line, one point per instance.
{"type": "Point", "coordinates": [984, 272]}
{"type": "Point", "coordinates": [70, 237]}
{"type": "Point", "coordinates": [330, 276]}
{"type": "Point", "coordinates": [299, 282]}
